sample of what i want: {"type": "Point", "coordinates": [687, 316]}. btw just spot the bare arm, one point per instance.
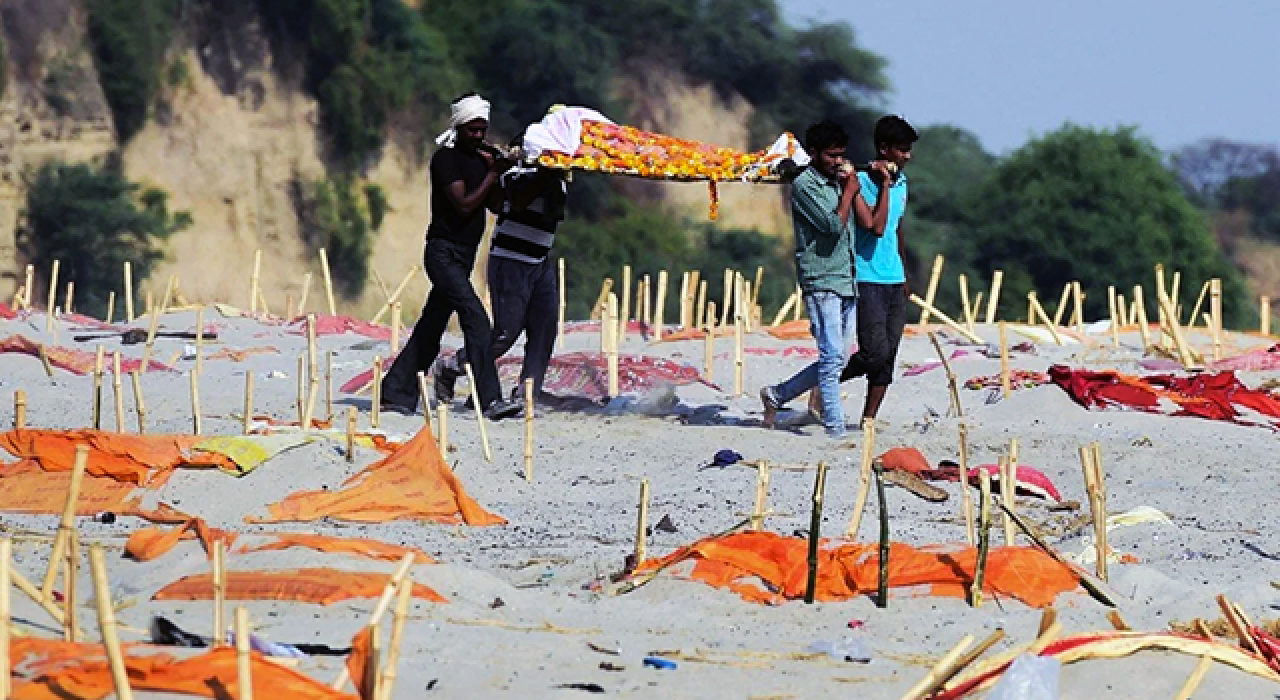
{"type": "Point", "coordinates": [467, 202]}
{"type": "Point", "coordinates": [902, 255]}
{"type": "Point", "coordinates": [876, 219]}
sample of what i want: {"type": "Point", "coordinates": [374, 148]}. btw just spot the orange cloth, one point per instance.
{"type": "Point", "coordinates": [907, 459]}
{"type": "Point", "coordinates": [26, 488]}
{"type": "Point", "coordinates": [412, 482]}
{"type": "Point", "coordinates": [791, 330]}
{"type": "Point", "coordinates": [696, 334]}
{"type": "Point", "coordinates": [358, 659]}
{"type": "Point", "coordinates": [360, 546]}
{"type": "Point", "coordinates": [320, 586]}
{"type": "Point", "coordinates": [151, 542]}
{"type": "Point", "coordinates": [846, 569]}
{"type": "Point", "coordinates": [60, 670]}
{"type": "Point", "coordinates": [130, 458]}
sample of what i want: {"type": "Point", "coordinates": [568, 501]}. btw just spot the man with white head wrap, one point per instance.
{"type": "Point", "coordinates": [464, 182]}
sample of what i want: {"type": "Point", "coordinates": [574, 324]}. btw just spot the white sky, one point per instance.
{"type": "Point", "coordinates": [1010, 69]}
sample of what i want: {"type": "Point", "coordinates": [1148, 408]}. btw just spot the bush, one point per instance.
{"type": "Point", "coordinates": [332, 217]}
{"type": "Point", "coordinates": [94, 221]}
{"type": "Point", "coordinates": [129, 39]}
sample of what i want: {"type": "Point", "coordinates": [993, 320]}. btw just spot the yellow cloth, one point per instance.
{"type": "Point", "coordinates": [248, 452]}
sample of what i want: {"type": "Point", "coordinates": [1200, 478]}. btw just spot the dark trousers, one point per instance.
{"type": "Point", "coordinates": [882, 314]}
{"type": "Point", "coordinates": [525, 298]}
{"type": "Point", "coordinates": [448, 267]}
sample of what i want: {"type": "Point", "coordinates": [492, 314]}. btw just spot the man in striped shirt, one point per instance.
{"type": "Point", "coordinates": [522, 278]}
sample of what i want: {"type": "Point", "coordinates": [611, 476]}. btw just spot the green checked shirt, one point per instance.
{"type": "Point", "coordinates": [824, 246]}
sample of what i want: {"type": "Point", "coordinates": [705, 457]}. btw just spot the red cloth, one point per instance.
{"type": "Point", "coordinates": [1216, 396]}
{"type": "Point", "coordinates": [337, 325]}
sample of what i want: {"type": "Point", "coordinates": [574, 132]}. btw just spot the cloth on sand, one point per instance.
{"type": "Point", "coordinates": [151, 542]}
{"type": "Point", "coordinates": [337, 325]}
{"type": "Point", "coordinates": [1217, 396]}
{"type": "Point", "coordinates": [124, 457]}
{"type": "Point", "coordinates": [248, 452]}
{"type": "Point", "coordinates": [79, 362]}
{"type": "Point", "coordinates": [26, 488]}
{"type": "Point", "coordinates": [764, 567]}
{"type": "Point", "coordinates": [412, 482]}
{"type": "Point", "coordinates": [359, 546]}
{"type": "Point", "coordinates": [54, 669]}
{"type": "Point", "coordinates": [1018, 379]}
{"type": "Point", "coordinates": [321, 586]}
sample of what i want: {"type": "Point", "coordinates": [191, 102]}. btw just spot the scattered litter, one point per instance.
{"type": "Point", "coordinates": [852, 649]}
{"type": "Point", "coordinates": [666, 525]}
{"type": "Point", "coordinates": [722, 459]}
{"type": "Point", "coordinates": [659, 663]}
{"type": "Point", "coordinates": [277, 374]}
{"type": "Point", "coordinates": [497, 603]}
{"type": "Point", "coordinates": [1138, 516]}
{"type": "Point", "coordinates": [616, 651]}
{"type": "Point", "coordinates": [857, 624]}
{"type": "Point", "coordinates": [606, 666]}
{"type": "Point", "coordinates": [588, 687]}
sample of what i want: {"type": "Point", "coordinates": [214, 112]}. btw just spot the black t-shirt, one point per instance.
{"type": "Point", "coordinates": [449, 165]}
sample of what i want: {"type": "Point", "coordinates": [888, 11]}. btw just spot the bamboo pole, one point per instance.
{"type": "Point", "coordinates": [1144, 325]}
{"type": "Point", "coordinates": [1037, 311]}
{"type": "Point", "coordinates": [799, 307]}
{"type": "Point", "coordinates": [1215, 312]}
{"type": "Point", "coordinates": [151, 332]}
{"type": "Point", "coordinates": [1115, 315]}
{"type": "Point", "coordinates": [139, 404]}
{"type": "Point", "coordinates": [609, 340]}
{"type": "Point", "coordinates": [642, 524]}
{"type": "Point", "coordinates": [659, 311]}
{"type": "Point", "coordinates": [1009, 489]}
{"type": "Point", "coordinates": [563, 303]}
{"type": "Point", "coordinates": [71, 295]}
{"type": "Point", "coordinates": [128, 292]}
{"type": "Point", "coordinates": [375, 407]}
{"type": "Point", "coordinates": [620, 335]}
{"type": "Point", "coordinates": [700, 310]}
{"type": "Point", "coordinates": [782, 312]}
{"type": "Point", "coordinates": [395, 296]}
{"type": "Point", "coordinates": [597, 311]}
{"type": "Point", "coordinates": [306, 292]}
{"type": "Point", "coordinates": [51, 306]}
{"type": "Point", "coordinates": [98, 369]}
{"type": "Point", "coordinates": [951, 377]}
{"type": "Point", "coordinates": [423, 396]}
{"type": "Point", "coordinates": [6, 613]}
{"type": "Point", "coordinates": [1006, 387]}
{"type": "Point", "coordinates": [1193, 681]}
{"type": "Point", "coordinates": [117, 391]}
{"type": "Point", "coordinates": [68, 521]}
{"type": "Point", "coordinates": [1185, 355]}
{"type": "Point", "coordinates": [1077, 303]}
{"type": "Point", "coordinates": [1100, 488]}
{"type": "Point", "coordinates": [1062, 304]}
{"type": "Point", "coordinates": [965, 306]}
{"type": "Point", "coordinates": [972, 337]}
{"type": "Point", "coordinates": [695, 286]}
{"type": "Point", "coordinates": [395, 327]}
{"type": "Point", "coordinates": [882, 587]}
{"type": "Point", "coordinates": [328, 282]}
{"type": "Point", "coordinates": [19, 409]}
{"type": "Point", "coordinates": [195, 402]}
{"type": "Point", "coordinates": [709, 346]}
{"type": "Point", "coordinates": [300, 398]}
{"type": "Point", "coordinates": [69, 597]}
{"type": "Point", "coordinates": [815, 532]}
{"type": "Point", "coordinates": [255, 279]}
{"type": "Point", "coordinates": [682, 314]}
{"type": "Point", "coordinates": [739, 358]}
{"type": "Point", "coordinates": [935, 275]}
{"type": "Point", "coordinates": [398, 618]}
{"type": "Point", "coordinates": [44, 361]}
{"type": "Point", "coordinates": [219, 593]}
{"type": "Point", "coordinates": [107, 623]}
{"type": "Point", "coordinates": [1099, 518]}
{"type": "Point", "coordinates": [1264, 315]}
{"type": "Point", "coordinates": [993, 301]}
{"type": "Point", "coordinates": [646, 304]}
{"type": "Point", "coordinates": [528, 429]}
{"type": "Point", "coordinates": [965, 495]}
{"type": "Point", "coordinates": [111, 306]}
{"type": "Point", "coordinates": [917, 691]}
{"type": "Point", "coordinates": [1195, 311]}
{"type": "Point", "coordinates": [962, 663]}
{"type": "Point", "coordinates": [984, 538]}
{"type": "Point", "coordinates": [328, 386]}
{"type": "Point", "coordinates": [763, 476]}
{"type": "Point", "coordinates": [351, 434]}
{"type": "Point", "coordinates": [29, 292]}
{"type": "Point", "coordinates": [244, 673]}
{"type": "Point", "coordinates": [480, 419]}
{"type": "Point", "coordinates": [728, 291]}
{"type": "Point", "coordinates": [1175, 297]}
{"type": "Point", "coordinates": [442, 425]}
{"type": "Point", "coordinates": [248, 402]}
{"type": "Point", "coordinates": [864, 476]}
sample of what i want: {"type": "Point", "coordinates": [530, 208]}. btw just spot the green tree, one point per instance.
{"type": "Point", "coordinates": [93, 221]}
{"type": "Point", "coordinates": [129, 39]}
{"type": "Point", "coordinates": [1095, 206]}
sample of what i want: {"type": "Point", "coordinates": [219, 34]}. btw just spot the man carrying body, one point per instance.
{"type": "Point", "coordinates": [463, 179]}
{"type": "Point", "coordinates": [879, 250]}
{"type": "Point", "coordinates": [522, 277]}
{"type": "Point", "coordinates": [822, 201]}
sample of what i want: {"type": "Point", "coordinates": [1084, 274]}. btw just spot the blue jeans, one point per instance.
{"type": "Point", "coordinates": [832, 318]}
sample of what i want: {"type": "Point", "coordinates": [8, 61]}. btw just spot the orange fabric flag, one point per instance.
{"type": "Point", "coordinates": [128, 458]}
{"type": "Point", "coordinates": [26, 488]}
{"type": "Point", "coordinates": [57, 670]}
{"type": "Point", "coordinates": [360, 546]}
{"type": "Point", "coordinates": [742, 561]}
{"type": "Point", "coordinates": [321, 586]}
{"type": "Point", "coordinates": [151, 542]}
{"type": "Point", "coordinates": [358, 660]}
{"type": "Point", "coordinates": [412, 482]}
{"type": "Point", "coordinates": [791, 330]}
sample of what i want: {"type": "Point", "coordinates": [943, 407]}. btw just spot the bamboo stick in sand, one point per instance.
{"type": "Point", "coordinates": [528, 429]}
{"type": "Point", "coordinates": [51, 306]}
{"type": "Point", "coordinates": [642, 523]}
{"type": "Point", "coordinates": [139, 404]}
{"type": "Point", "coordinates": [815, 530]}
{"type": "Point", "coordinates": [67, 523]}
{"type": "Point", "coordinates": [107, 623]}
{"type": "Point", "coordinates": [993, 301]}
{"type": "Point", "coordinates": [19, 409]}
{"type": "Point", "coordinates": [965, 494]}
{"type": "Point", "coordinates": [248, 402]}
{"type": "Point", "coordinates": [480, 419]}
{"type": "Point", "coordinates": [328, 282]}
{"type": "Point", "coordinates": [935, 275]}
{"type": "Point", "coordinates": [864, 482]}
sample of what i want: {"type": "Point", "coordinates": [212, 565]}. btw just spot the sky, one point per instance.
{"type": "Point", "coordinates": [1008, 70]}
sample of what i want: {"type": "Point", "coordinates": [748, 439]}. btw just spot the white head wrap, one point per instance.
{"type": "Point", "coordinates": [464, 110]}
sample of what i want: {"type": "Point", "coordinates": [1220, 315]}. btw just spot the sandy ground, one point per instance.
{"type": "Point", "coordinates": [576, 522]}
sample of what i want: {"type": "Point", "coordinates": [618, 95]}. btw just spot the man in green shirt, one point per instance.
{"type": "Point", "coordinates": [822, 201]}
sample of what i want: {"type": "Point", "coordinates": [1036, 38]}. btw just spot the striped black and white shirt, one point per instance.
{"type": "Point", "coordinates": [526, 235]}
